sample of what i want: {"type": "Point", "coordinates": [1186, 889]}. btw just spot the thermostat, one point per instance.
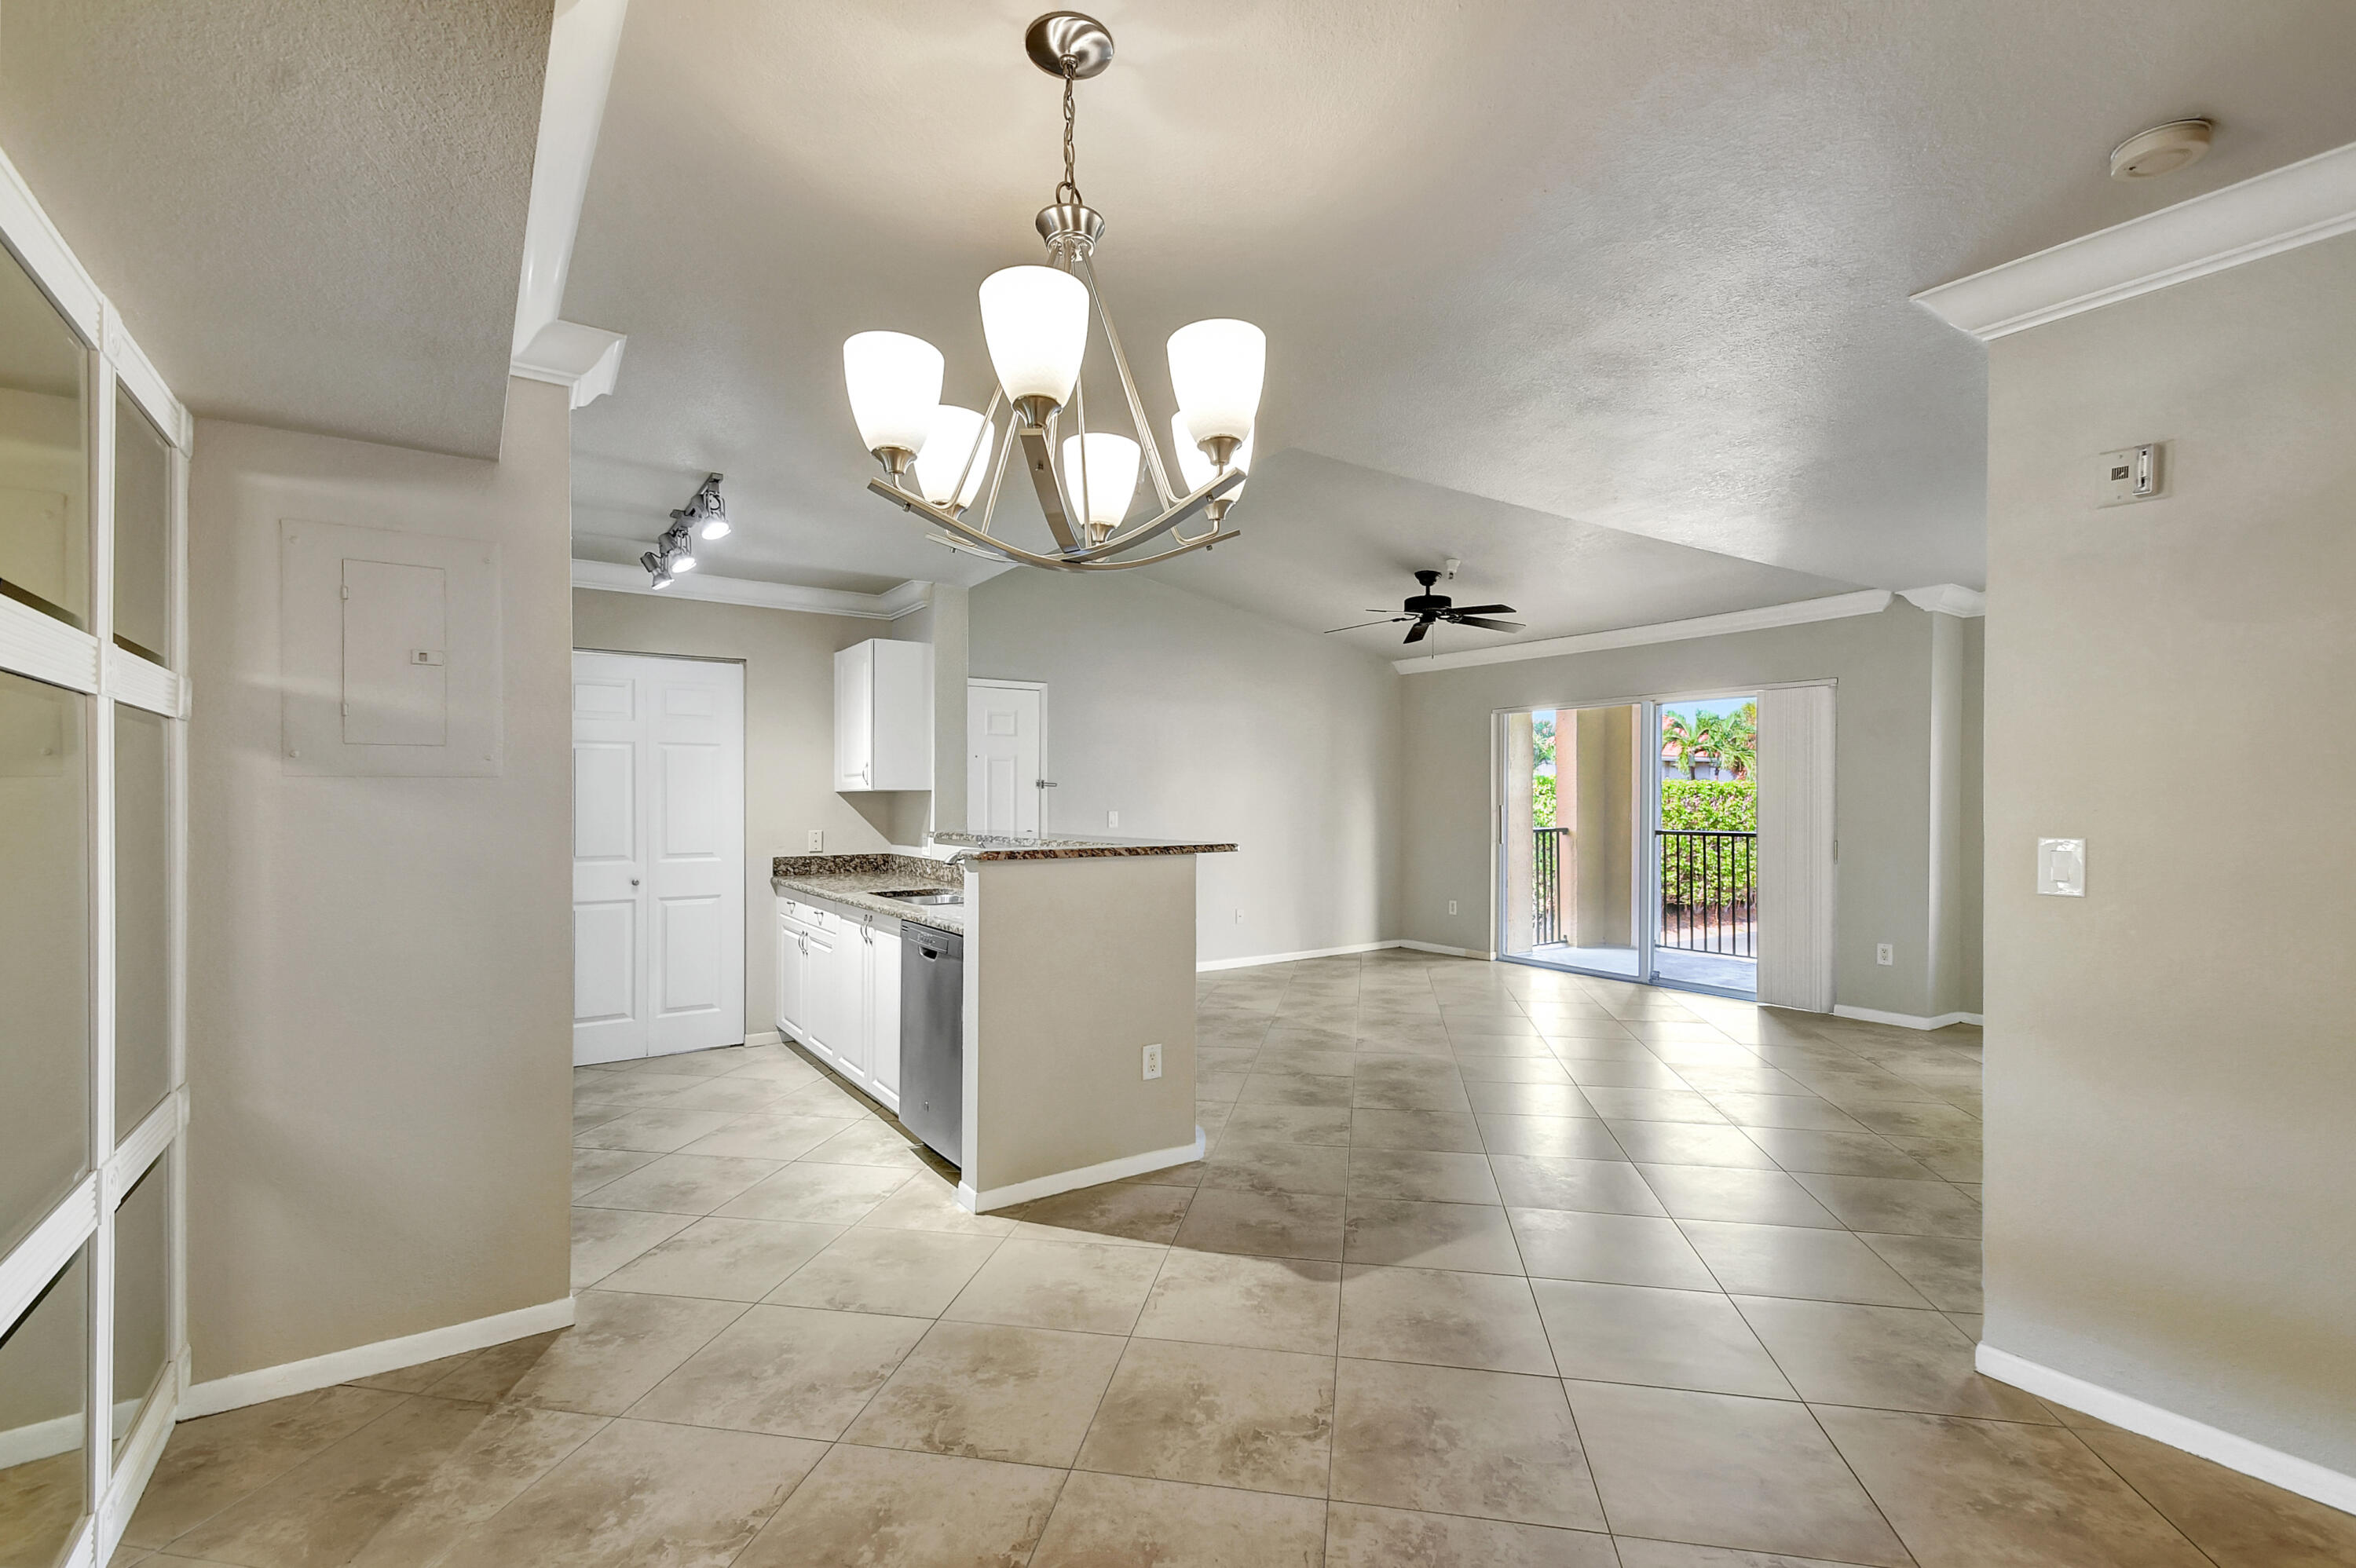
{"type": "Point", "coordinates": [2130, 473]}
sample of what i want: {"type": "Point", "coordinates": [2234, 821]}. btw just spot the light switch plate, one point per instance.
{"type": "Point", "coordinates": [2130, 473]}
{"type": "Point", "coordinates": [816, 840]}
{"type": "Point", "coordinates": [2062, 867]}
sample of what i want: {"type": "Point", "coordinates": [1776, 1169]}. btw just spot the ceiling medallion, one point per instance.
{"type": "Point", "coordinates": [939, 458]}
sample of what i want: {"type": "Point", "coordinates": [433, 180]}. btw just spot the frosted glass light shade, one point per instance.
{"type": "Point", "coordinates": [1194, 466]}
{"type": "Point", "coordinates": [1035, 320]}
{"type": "Point", "coordinates": [944, 457]}
{"type": "Point", "coordinates": [895, 382]}
{"type": "Point", "coordinates": [1104, 489]}
{"type": "Point", "coordinates": [1216, 367]}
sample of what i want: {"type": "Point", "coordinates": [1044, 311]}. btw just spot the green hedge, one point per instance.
{"type": "Point", "coordinates": [1718, 805]}
{"type": "Point", "coordinates": [1726, 804]}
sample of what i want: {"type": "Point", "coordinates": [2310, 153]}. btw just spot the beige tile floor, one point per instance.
{"type": "Point", "coordinates": [1485, 1265]}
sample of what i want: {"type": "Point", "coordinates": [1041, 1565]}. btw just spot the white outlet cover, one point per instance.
{"type": "Point", "coordinates": [1883, 953]}
{"type": "Point", "coordinates": [2062, 867]}
{"type": "Point", "coordinates": [1152, 1062]}
{"type": "Point", "coordinates": [2130, 473]}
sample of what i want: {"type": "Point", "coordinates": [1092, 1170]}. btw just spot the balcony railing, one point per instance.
{"type": "Point", "coordinates": [1710, 891]}
{"type": "Point", "coordinates": [1546, 875]}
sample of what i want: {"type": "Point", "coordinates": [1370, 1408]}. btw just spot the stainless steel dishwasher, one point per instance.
{"type": "Point", "coordinates": [931, 1037]}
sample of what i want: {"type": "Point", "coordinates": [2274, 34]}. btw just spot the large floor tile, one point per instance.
{"type": "Point", "coordinates": [1358, 1536]}
{"type": "Point", "coordinates": [1893, 1357]}
{"type": "Point", "coordinates": [1723, 1192]}
{"type": "Point", "coordinates": [1721, 1470]}
{"type": "Point", "coordinates": [1667, 1338]}
{"type": "Point", "coordinates": [1609, 1249]}
{"type": "Point", "coordinates": [619, 1347]}
{"type": "Point", "coordinates": [1555, 1138]}
{"type": "Point", "coordinates": [1247, 1164]}
{"type": "Point", "coordinates": [986, 1391]}
{"type": "Point", "coordinates": [655, 1130]}
{"type": "Point", "coordinates": [927, 1203]}
{"type": "Point", "coordinates": [1269, 1303]}
{"type": "Point", "coordinates": [883, 1508]}
{"type": "Point", "coordinates": [1089, 1287]}
{"type": "Point", "coordinates": [1595, 1186]}
{"type": "Point", "coordinates": [1788, 1260]}
{"type": "Point", "coordinates": [1451, 1132]}
{"type": "Point", "coordinates": [1122, 1211]}
{"type": "Point", "coordinates": [816, 1194]}
{"type": "Point", "coordinates": [1469, 1236]}
{"type": "Point", "coordinates": [645, 1492]}
{"type": "Point", "coordinates": [324, 1510]}
{"type": "Point", "coordinates": [1494, 1098]}
{"type": "Point", "coordinates": [1801, 1112]}
{"type": "Point", "coordinates": [1448, 1440]}
{"type": "Point", "coordinates": [792, 1371]}
{"type": "Point", "coordinates": [1945, 1269]}
{"type": "Point", "coordinates": [1901, 1208]}
{"type": "Point", "coordinates": [212, 1462]}
{"type": "Point", "coordinates": [729, 1260]}
{"type": "Point", "coordinates": [1120, 1521]}
{"type": "Point", "coordinates": [1653, 1104]}
{"type": "Point", "coordinates": [906, 1273]}
{"type": "Point", "coordinates": [1688, 1143]}
{"type": "Point", "coordinates": [1423, 1176]}
{"type": "Point", "coordinates": [605, 1239]}
{"type": "Point", "coordinates": [1265, 1224]}
{"type": "Point", "coordinates": [1443, 1319]}
{"type": "Point", "coordinates": [2239, 1520]}
{"type": "Point", "coordinates": [506, 1452]}
{"type": "Point", "coordinates": [764, 1136]}
{"type": "Point", "coordinates": [1836, 1153]}
{"type": "Point", "coordinates": [593, 1167]}
{"type": "Point", "coordinates": [1260, 1420]}
{"type": "Point", "coordinates": [1966, 1494]}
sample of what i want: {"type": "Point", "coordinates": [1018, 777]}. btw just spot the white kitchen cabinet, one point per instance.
{"type": "Point", "coordinates": [838, 993]}
{"type": "Point", "coordinates": [884, 716]}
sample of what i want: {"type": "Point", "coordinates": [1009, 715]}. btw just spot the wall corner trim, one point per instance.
{"type": "Point", "coordinates": [2281, 209]}
{"type": "Point", "coordinates": [906, 598]}
{"type": "Point", "coordinates": [264, 1383]}
{"type": "Point", "coordinates": [2288, 1471]}
{"type": "Point", "coordinates": [1946, 599]}
{"type": "Point", "coordinates": [1834, 607]}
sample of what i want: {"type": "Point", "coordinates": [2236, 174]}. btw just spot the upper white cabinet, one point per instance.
{"type": "Point", "coordinates": [884, 716]}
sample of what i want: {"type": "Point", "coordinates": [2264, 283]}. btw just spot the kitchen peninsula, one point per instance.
{"type": "Point", "coordinates": [1077, 982]}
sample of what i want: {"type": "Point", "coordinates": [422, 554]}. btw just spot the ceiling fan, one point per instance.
{"type": "Point", "coordinates": [1428, 609]}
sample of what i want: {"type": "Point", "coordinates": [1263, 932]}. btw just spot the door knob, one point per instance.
{"type": "Point", "coordinates": [634, 881]}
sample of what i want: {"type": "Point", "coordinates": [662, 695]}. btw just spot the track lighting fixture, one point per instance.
{"type": "Point", "coordinates": [674, 553]}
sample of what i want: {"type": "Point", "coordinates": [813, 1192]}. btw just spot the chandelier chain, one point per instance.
{"type": "Point", "coordinates": [1069, 191]}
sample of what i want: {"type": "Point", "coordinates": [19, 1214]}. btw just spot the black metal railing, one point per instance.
{"type": "Point", "coordinates": [1545, 878]}
{"type": "Point", "coordinates": [1710, 891]}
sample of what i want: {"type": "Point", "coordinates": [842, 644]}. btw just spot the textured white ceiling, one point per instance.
{"type": "Point", "coordinates": [1530, 271]}
{"type": "Point", "coordinates": [310, 212]}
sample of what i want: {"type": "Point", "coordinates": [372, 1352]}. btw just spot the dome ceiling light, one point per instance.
{"type": "Point", "coordinates": [2162, 150]}
{"type": "Point", "coordinates": [939, 459]}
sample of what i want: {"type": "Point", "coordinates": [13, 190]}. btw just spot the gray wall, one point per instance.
{"type": "Point", "coordinates": [2171, 1087]}
{"type": "Point", "coordinates": [1883, 778]}
{"type": "Point", "coordinates": [1197, 721]}
{"type": "Point", "coordinates": [788, 659]}
{"type": "Point", "coordinates": [379, 969]}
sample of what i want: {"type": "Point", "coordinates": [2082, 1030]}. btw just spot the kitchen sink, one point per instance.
{"type": "Point", "coordinates": [923, 896]}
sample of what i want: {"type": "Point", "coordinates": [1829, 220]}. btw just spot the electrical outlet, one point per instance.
{"type": "Point", "coordinates": [1112, 819]}
{"type": "Point", "coordinates": [1152, 1062]}
{"type": "Point", "coordinates": [818, 840]}
{"type": "Point", "coordinates": [1239, 917]}
{"type": "Point", "coordinates": [1883, 953]}
{"type": "Point", "coordinates": [1451, 906]}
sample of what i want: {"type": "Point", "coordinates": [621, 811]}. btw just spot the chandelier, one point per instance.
{"type": "Point", "coordinates": [939, 458]}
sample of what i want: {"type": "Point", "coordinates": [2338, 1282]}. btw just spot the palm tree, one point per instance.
{"type": "Point", "coordinates": [1741, 739]}
{"type": "Point", "coordinates": [1684, 738]}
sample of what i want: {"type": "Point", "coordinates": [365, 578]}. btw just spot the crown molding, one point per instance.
{"type": "Point", "coordinates": [1946, 599]}
{"type": "Point", "coordinates": [585, 360]}
{"type": "Point", "coordinates": [581, 44]}
{"type": "Point", "coordinates": [2295, 205]}
{"type": "Point", "coordinates": [1839, 606]}
{"type": "Point", "coordinates": [608, 577]}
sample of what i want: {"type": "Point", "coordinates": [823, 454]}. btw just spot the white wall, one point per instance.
{"type": "Point", "coordinates": [379, 969]}
{"type": "Point", "coordinates": [1890, 667]}
{"type": "Point", "coordinates": [2171, 1083]}
{"type": "Point", "coordinates": [1194, 720]}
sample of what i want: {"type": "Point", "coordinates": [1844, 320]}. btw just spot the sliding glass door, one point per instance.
{"type": "Point", "coordinates": [93, 758]}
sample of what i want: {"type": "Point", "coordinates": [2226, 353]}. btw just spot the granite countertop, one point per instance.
{"type": "Point", "coordinates": [1009, 847]}
{"type": "Point", "coordinates": [855, 881]}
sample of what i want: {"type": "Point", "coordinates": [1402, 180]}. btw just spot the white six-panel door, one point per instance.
{"type": "Point", "coordinates": [1004, 729]}
{"type": "Point", "coordinates": [658, 855]}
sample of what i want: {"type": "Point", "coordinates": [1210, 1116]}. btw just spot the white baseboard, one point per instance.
{"type": "Point", "coordinates": [1085, 1175]}
{"type": "Point", "coordinates": [1204, 967]}
{"type": "Point", "coordinates": [1445, 950]}
{"type": "Point", "coordinates": [368, 1361]}
{"type": "Point", "coordinates": [1904, 1020]}
{"type": "Point", "coordinates": [2288, 1471]}
{"type": "Point", "coordinates": [765, 1037]}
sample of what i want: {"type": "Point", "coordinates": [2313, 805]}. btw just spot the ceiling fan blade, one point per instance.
{"type": "Point", "coordinates": [1415, 633]}
{"type": "Point", "coordinates": [1488, 626]}
{"type": "Point", "coordinates": [1386, 621]}
{"type": "Point", "coordinates": [1484, 610]}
